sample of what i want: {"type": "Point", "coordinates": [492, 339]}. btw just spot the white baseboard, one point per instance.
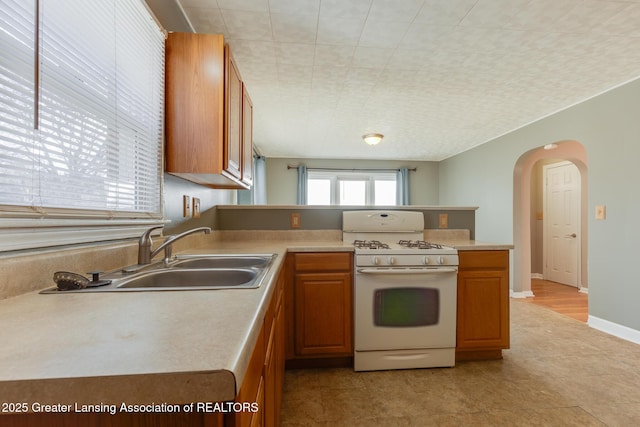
{"type": "Point", "coordinates": [614, 329]}
{"type": "Point", "coordinates": [522, 294]}
{"type": "Point", "coordinates": [525, 294]}
{"type": "Point", "coordinates": [583, 290]}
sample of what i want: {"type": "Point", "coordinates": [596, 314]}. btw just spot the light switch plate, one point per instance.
{"type": "Point", "coordinates": [295, 220]}
{"type": "Point", "coordinates": [601, 212]}
{"type": "Point", "coordinates": [186, 206]}
{"type": "Point", "coordinates": [196, 207]}
{"type": "Point", "coordinates": [443, 221]}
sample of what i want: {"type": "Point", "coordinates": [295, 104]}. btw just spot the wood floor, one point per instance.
{"type": "Point", "coordinates": [560, 298]}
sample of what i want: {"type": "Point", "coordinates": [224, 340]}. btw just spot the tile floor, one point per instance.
{"type": "Point", "coordinates": [558, 372]}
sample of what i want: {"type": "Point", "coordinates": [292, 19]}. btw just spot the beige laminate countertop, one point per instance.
{"type": "Point", "coordinates": [142, 347]}
{"type": "Point", "coordinates": [136, 347]}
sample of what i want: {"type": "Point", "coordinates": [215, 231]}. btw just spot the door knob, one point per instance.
{"type": "Point", "coordinates": [574, 235]}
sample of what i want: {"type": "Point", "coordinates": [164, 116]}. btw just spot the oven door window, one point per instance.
{"type": "Point", "coordinates": [405, 307]}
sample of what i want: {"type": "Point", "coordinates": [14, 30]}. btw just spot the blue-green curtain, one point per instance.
{"type": "Point", "coordinates": [302, 185]}
{"type": "Point", "coordinates": [259, 180]}
{"type": "Point", "coordinates": [402, 186]}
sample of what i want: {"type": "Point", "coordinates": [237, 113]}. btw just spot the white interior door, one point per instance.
{"type": "Point", "coordinates": [562, 223]}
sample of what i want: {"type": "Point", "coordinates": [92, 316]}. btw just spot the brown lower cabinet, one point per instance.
{"type": "Point", "coordinates": [264, 380]}
{"type": "Point", "coordinates": [261, 388]}
{"type": "Point", "coordinates": [319, 295]}
{"type": "Point", "coordinates": [483, 304]}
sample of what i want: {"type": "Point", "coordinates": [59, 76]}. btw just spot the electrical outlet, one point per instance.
{"type": "Point", "coordinates": [601, 212]}
{"type": "Point", "coordinates": [196, 207]}
{"type": "Point", "coordinates": [186, 206]}
{"type": "Point", "coordinates": [443, 221]}
{"type": "Point", "coordinates": [295, 220]}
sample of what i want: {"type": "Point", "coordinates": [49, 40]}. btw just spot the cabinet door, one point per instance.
{"type": "Point", "coordinates": [483, 309]}
{"type": "Point", "coordinates": [257, 418]}
{"type": "Point", "coordinates": [280, 359]}
{"type": "Point", "coordinates": [270, 379]}
{"type": "Point", "coordinates": [233, 122]}
{"type": "Point", "coordinates": [274, 370]}
{"type": "Point", "coordinates": [252, 387]}
{"type": "Point", "coordinates": [194, 104]}
{"type": "Point", "coordinates": [274, 359]}
{"type": "Point", "coordinates": [247, 137]}
{"type": "Point", "coordinates": [323, 314]}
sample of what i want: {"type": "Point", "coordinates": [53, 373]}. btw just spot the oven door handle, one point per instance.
{"type": "Point", "coordinates": [439, 270]}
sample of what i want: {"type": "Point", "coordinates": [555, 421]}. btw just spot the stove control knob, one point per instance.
{"type": "Point", "coordinates": [440, 260]}
{"type": "Point", "coordinates": [391, 260]}
{"type": "Point", "coordinates": [425, 260]}
{"type": "Point", "coordinates": [375, 260]}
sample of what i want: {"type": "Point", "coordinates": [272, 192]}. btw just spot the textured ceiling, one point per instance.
{"type": "Point", "coordinates": [436, 77]}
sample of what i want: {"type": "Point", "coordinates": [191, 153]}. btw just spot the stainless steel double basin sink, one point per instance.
{"type": "Point", "coordinates": [187, 272]}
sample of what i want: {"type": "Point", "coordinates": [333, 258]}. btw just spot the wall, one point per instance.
{"type": "Point", "coordinates": [282, 183]}
{"type": "Point", "coordinates": [175, 188]}
{"type": "Point", "coordinates": [608, 128]}
{"type": "Point", "coordinates": [329, 217]}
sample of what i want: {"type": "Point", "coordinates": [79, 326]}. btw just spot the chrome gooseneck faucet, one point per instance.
{"type": "Point", "coordinates": [145, 254]}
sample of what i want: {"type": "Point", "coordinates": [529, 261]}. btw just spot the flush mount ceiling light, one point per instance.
{"type": "Point", "coordinates": [372, 138]}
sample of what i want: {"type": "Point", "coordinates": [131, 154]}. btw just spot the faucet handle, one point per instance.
{"type": "Point", "coordinates": [147, 234]}
{"type": "Point", "coordinates": [144, 245]}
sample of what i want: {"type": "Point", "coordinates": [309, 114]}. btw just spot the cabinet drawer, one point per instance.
{"type": "Point", "coordinates": [323, 261]}
{"type": "Point", "coordinates": [483, 259]}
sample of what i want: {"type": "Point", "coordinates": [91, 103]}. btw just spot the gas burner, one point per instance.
{"type": "Point", "coordinates": [419, 244]}
{"type": "Point", "coordinates": [370, 244]}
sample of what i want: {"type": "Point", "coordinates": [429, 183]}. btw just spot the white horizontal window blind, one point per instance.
{"type": "Point", "coordinates": [82, 91]}
{"type": "Point", "coordinates": [18, 157]}
{"type": "Point", "coordinates": [101, 68]}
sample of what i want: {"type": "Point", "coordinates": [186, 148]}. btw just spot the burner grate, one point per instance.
{"type": "Point", "coordinates": [419, 244]}
{"type": "Point", "coordinates": [370, 244]}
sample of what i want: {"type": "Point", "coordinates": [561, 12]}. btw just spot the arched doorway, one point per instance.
{"type": "Point", "coordinates": [572, 151]}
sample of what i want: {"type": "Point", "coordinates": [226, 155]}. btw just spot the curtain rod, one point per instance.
{"type": "Point", "coordinates": [353, 169]}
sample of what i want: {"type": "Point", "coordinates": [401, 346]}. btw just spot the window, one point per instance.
{"type": "Point", "coordinates": [82, 94]}
{"type": "Point", "coordinates": [351, 188]}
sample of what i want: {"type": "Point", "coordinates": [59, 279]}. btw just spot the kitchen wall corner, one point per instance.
{"type": "Point", "coordinates": [174, 190]}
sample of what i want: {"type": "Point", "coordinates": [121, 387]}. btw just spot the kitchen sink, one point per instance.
{"type": "Point", "coordinates": [185, 272]}
{"type": "Point", "coordinates": [183, 279]}
{"type": "Point", "coordinates": [222, 261]}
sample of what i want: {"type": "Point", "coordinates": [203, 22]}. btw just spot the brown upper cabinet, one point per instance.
{"type": "Point", "coordinates": [247, 137]}
{"type": "Point", "coordinates": [208, 136]}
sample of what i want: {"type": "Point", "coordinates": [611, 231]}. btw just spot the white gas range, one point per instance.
{"type": "Point", "coordinates": [405, 292]}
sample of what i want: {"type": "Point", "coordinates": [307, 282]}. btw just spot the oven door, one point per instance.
{"type": "Point", "coordinates": [405, 308]}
